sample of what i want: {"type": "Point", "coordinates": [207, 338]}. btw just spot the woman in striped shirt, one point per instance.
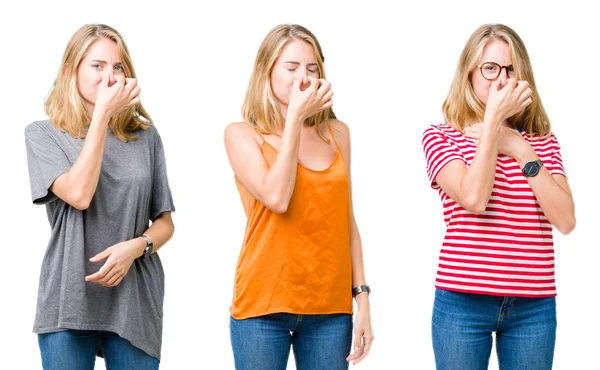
{"type": "Point", "coordinates": [498, 170]}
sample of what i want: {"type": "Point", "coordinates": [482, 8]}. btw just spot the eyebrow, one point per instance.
{"type": "Point", "coordinates": [298, 63]}
{"type": "Point", "coordinates": [104, 62]}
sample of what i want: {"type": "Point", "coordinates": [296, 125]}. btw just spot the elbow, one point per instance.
{"type": "Point", "coordinates": [474, 205]}
{"type": "Point", "coordinates": [277, 205]}
{"type": "Point", "coordinates": [79, 202]}
{"type": "Point", "coordinates": [171, 229]}
{"type": "Point", "coordinates": [567, 226]}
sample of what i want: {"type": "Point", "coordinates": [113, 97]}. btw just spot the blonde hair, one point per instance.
{"type": "Point", "coordinates": [260, 108]}
{"type": "Point", "coordinates": [64, 104]}
{"type": "Point", "coordinates": [462, 106]}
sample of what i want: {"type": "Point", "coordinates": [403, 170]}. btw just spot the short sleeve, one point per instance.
{"type": "Point", "coordinates": [46, 161]}
{"type": "Point", "coordinates": [439, 151]}
{"type": "Point", "coordinates": [555, 167]}
{"type": "Point", "coordinates": [162, 200]}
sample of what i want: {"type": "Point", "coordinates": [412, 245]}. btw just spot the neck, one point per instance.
{"type": "Point", "coordinates": [89, 107]}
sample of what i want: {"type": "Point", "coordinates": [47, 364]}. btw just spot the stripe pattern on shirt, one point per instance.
{"type": "Point", "coordinates": [508, 249]}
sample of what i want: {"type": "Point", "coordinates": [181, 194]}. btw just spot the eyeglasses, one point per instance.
{"type": "Point", "coordinates": [491, 70]}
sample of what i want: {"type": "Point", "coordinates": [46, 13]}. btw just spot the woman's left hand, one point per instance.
{"type": "Point", "coordinates": [120, 257]}
{"type": "Point", "coordinates": [363, 335]}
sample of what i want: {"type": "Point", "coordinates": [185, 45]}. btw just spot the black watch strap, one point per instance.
{"type": "Point", "coordinates": [149, 246]}
{"type": "Point", "coordinates": [360, 289]}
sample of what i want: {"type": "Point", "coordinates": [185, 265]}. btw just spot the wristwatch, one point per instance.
{"type": "Point", "coordinates": [149, 246]}
{"type": "Point", "coordinates": [532, 168]}
{"type": "Point", "coordinates": [360, 289]}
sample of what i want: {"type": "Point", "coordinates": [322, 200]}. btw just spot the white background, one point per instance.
{"type": "Point", "coordinates": [391, 65]}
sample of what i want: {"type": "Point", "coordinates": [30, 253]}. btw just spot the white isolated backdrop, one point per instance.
{"type": "Point", "coordinates": [391, 65]}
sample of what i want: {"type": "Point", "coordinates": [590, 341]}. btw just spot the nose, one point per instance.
{"type": "Point", "coordinates": [303, 76]}
{"type": "Point", "coordinates": [111, 76]}
{"type": "Point", "coordinates": [503, 77]}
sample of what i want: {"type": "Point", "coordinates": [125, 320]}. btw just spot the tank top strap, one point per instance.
{"type": "Point", "coordinates": [262, 138]}
{"type": "Point", "coordinates": [337, 147]}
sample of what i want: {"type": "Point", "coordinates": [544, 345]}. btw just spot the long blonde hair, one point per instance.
{"type": "Point", "coordinates": [260, 107]}
{"type": "Point", "coordinates": [462, 106]}
{"type": "Point", "coordinates": [64, 104]}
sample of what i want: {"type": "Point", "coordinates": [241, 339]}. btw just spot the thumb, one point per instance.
{"type": "Point", "coordinates": [357, 349]}
{"type": "Point", "coordinates": [105, 80]}
{"type": "Point", "coordinates": [495, 85]}
{"type": "Point", "coordinates": [296, 85]}
{"type": "Point", "coordinates": [100, 256]}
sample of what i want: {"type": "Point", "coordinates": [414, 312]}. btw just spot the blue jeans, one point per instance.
{"type": "Point", "coordinates": [462, 327]}
{"type": "Point", "coordinates": [76, 350]}
{"type": "Point", "coordinates": [320, 342]}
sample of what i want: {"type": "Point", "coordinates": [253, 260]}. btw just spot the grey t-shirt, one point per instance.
{"type": "Point", "coordinates": [132, 190]}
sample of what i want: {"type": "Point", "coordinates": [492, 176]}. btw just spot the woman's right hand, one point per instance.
{"type": "Point", "coordinates": [509, 100]}
{"type": "Point", "coordinates": [310, 101]}
{"type": "Point", "coordinates": [114, 99]}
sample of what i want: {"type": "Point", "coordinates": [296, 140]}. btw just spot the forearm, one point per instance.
{"type": "Point", "coordinates": [79, 184]}
{"type": "Point", "coordinates": [478, 180]}
{"type": "Point", "coordinates": [555, 201]}
{"type": "Point", "coordinates": [279, 182]}
{"type": "Point", "coordinates": [358, 270]}
{"type": "Point", "coordinates": [160, 231]}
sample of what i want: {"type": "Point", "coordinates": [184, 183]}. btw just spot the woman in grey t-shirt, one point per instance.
{"type": "Point", "coordinates": [98, 166]}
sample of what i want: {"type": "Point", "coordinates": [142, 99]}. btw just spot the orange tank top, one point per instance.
{"type": "Point", "coordinates": [299, 261]}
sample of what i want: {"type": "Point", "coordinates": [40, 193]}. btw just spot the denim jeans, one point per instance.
{"type": "Point", "coordinates": [320, 342]}
{"type": "Point", "coordinates": [462, 327]}
{"type": "Point", "coordinates": [76, 350]}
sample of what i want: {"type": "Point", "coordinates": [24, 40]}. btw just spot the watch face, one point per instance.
{"type": "Point", "coordinates": [531, 169]}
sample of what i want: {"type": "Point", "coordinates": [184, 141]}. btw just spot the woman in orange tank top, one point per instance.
{"type": "Point", "coordinates": [301, 259]}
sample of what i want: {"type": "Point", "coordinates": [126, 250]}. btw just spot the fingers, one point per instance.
{"type": "Point", "coordinates": [134, 101]}
{"type": "Point", "coordinates": [367, 341]}
{"type": "Point", "coordinates": [328, 95]}
{"type": "Point", "coordinates": [522, 86]}
{"type": "Point", "coordinates": [314, 83]}
{"type": "Point", "coordinates": [100, 256]}
{"type": "Point", "coordinates": [358, 348]}
{"type": "Point", "coordinates": [111, 280]}
{"type": "Point", "coordinates": [99, 275]}
{"type": "Point", "coordinates": [120, 79]}
{"type": "Point", "coordinates": [526, 103]}
{"type": "Point", "coordinates": [328, 103]}
{"type": "Point", "coordinates": [474, 131]}
{"type": "Point", "coordinates": [324, 88]}
{"type": "Point", "coordinates": [512, 83]}
{"type": "Point", "coordinates": [108, 276]}
{"type": "Point", "coordinates": [131, 82]}
{"type": "Point", "coordinates": [135, 92]}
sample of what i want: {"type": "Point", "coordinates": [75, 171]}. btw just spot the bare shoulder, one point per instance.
{"type": "Point", "coordinates": [236, 131]}
{"type": "Point", "coordinates": [340, 130]}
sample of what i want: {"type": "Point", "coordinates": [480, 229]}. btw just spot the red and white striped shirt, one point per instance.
{"type": "Point", "coordinates": [508, 249]}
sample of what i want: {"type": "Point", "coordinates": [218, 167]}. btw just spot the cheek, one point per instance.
{"type": "Point", "coordinates": [281, 83]}
{"type": "Point", "coordinates": [87, 83]}
{"type": "Point", "coordinates": [481, 87]}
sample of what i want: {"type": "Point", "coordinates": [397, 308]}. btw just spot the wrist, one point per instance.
{"type": "Point", "coordinates": [101, 114]}
{"type": "Point", "coordinates": [362, 301]}
{"type": "Point", "coordinates": [294, 117]}
{"type": "Point", "coordinates": [493, 117]}
{"type": "Point", "coordinates": [140, 245]}
{"type": "Point", "coordinates": [527, 154]}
